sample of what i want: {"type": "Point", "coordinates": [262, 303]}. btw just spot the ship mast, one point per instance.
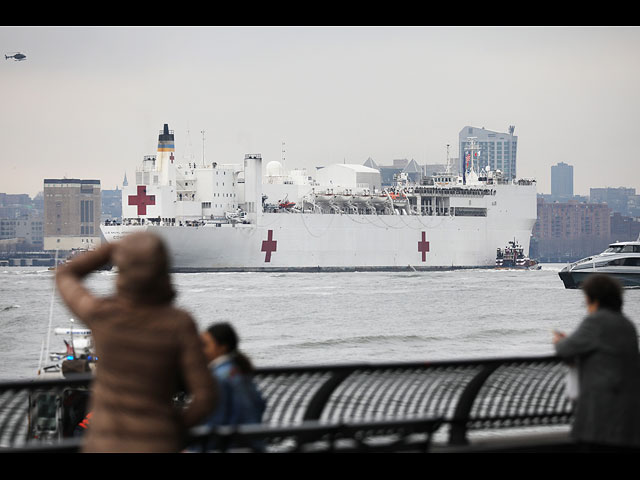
{"type": "Point", "coordinates": [472, 148]}
{"type": "Point", "coordinates": [473, 175]}
{"type": "Point", "coordinates": [202, 132]}
{"type": "Point", "coordinates": [282, 158]}
{"type": "Point", "coordinates": [189, 150]}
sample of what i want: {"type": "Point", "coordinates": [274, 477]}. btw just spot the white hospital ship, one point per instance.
{"type": "Point", "coordinates": [231, 217]}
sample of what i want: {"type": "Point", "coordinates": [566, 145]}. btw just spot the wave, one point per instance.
{"type": "Point", "coordinates": [498, 332]}
{"type": "Point", "coordinates": [552, 269]}
{"type": "Point", "coordinates": [364, 339]}
{"type": "Point", "coordinates": [32, 273]}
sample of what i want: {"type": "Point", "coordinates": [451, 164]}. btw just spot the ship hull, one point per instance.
{"type": "Point", "coordinates": [573, 279]}
{"type": "Point", "coordinates": [313, 242]}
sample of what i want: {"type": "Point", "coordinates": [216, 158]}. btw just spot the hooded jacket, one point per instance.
{"type": "Point", "coordinates": [145, 346]}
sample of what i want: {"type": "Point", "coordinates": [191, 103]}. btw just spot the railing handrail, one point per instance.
{"type": "Point", "coordinates": [67, 445]}
{"type": "Point", "coordinates": [77, 379]}
{"type": "Point", "coordinates": [306, 432]}
{"type": "Point", "coordinates": [412, 364]}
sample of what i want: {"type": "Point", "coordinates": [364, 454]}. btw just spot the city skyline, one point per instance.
{"type": "Point", "coordinates": [88, 101]}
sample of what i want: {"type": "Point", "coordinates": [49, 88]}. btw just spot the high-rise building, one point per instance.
{"type": "Point", "coordinates": [71, 213]}
{"type": "Point", "coordinates": [497, 150]}
{"type": "Point", "coordinates": [568, 231]}
{"type": "Point", "coordinates": [25, 231]}
{"type": "Point", "coordinates": [111, 204]}
{"type": "Point", "coordinates": [562, 180]}
{"type": "Point", "coordinates": [616, 198]}
{"type": "Point", "coordinates": [624, 228]}
{"type": "Point", "coordinates": [13, 206]}
{"type": "Point", "coordinates": [633, 205]}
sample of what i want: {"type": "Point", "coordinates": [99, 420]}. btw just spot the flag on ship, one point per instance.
{"type": "Point", "coordinates": [467, 159]}
{"type": "Point", "coordinates": [70, 350]}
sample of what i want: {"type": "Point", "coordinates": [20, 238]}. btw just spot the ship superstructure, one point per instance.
{"type": "Point", "coordinates": [226, 217]}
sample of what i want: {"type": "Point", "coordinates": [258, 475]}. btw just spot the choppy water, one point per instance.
{"type": "Point", "coordinates": [311, 318]}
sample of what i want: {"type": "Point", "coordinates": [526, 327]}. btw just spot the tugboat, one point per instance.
{"type": "Point", "coordinates": [513, 257]}
{"type": "Point", "coordinates": [621, 260]}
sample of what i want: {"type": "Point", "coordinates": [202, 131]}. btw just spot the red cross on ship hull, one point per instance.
{"type": "Point", "coordinates": [142, 199]}
{"type": "Point", "coordinates": [269, 246]}
{"type": "Point", "coordinates": [423, 246]}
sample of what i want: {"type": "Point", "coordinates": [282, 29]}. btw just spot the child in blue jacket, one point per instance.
{"type": "Point", "coordinates": [240, 402]}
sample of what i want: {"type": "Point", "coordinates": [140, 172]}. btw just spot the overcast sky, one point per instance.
{"type": "Point", "coordinates": [89, 102]}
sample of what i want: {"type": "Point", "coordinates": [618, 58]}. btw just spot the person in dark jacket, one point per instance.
{"type": "Point", "coordinates": [146, 347]}
{"type": "Point", "coordinates": [604, 348]}
{"type": "Point", "coordinates": [240, 401]}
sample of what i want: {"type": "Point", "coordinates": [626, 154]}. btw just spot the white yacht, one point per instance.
{"type": "Point", "coordinates": [621, 260]}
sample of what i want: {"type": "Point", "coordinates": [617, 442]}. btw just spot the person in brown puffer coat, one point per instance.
{"type": "Point", "coordinates": [145, 347]}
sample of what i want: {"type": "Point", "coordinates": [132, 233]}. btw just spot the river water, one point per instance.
{"type": "Point", "coordinates": [288, 319]}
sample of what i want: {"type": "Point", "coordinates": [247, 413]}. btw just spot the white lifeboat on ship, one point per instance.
{"type": "Point", "coordinates": [239, 216]}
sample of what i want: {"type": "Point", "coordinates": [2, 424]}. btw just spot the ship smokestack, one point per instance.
{"type": "Point", "coordinates": [165, 140]}
{"type": "Point", "coordinates": [164, 157]}
{"type": "Point", "coordinates": [253, 186]}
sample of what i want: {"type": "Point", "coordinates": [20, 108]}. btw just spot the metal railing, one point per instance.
{"type": "Point", "coordinates": [467, 395]}
{"type": "Point", "coordinates": [313, 436]}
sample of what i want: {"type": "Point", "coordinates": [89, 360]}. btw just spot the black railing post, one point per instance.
{"type": "Point", "coordinates": [458, 432]}
{"type": "Point", "coordinates": [321, 397]}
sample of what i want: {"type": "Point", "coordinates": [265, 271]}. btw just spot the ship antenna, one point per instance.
{"type": "Point", "coordinates": [202, 132]}
{"type": "Point", "coordinates": [189, 151]}
{"type": "Point", "coordinates": [282, 157]}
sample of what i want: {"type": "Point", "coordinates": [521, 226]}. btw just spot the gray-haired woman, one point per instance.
{"type": "Point", "coordinates": [605, 350]}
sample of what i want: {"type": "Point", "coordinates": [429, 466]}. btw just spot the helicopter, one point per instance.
{"type": "Point", "coordinates": [18, 57]}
